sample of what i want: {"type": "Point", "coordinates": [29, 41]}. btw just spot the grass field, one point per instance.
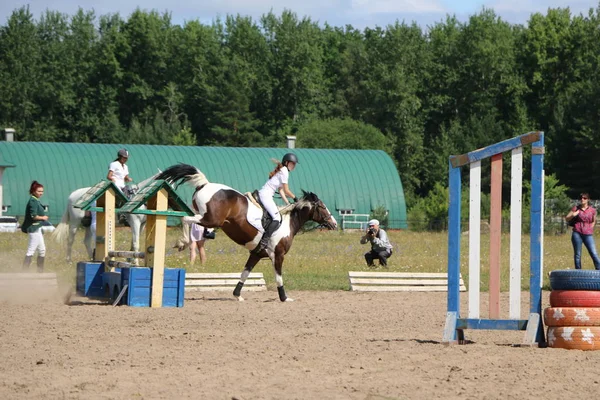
{"type": "Point", "coordinates": [317, 260]}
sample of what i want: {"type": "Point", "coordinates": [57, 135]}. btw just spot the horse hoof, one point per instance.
{"type": "Point", "coordinates": [240, 298]}
{"type": "Point", "coordinates": [288, 299]}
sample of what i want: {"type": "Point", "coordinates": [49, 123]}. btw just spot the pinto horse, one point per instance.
{"type": "Point", "coordinates": [219, 206]}
{"type": "Point", "coordinates": [71, 220]}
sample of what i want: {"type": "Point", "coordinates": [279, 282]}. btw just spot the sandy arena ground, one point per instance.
{"type": "Point", "coordinates": [325, 345]}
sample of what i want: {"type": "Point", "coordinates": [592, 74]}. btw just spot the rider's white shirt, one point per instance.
{"type": "Point", "coordinates": [120, 171]}
{"type": "Point", "coordinates": [275, 182]}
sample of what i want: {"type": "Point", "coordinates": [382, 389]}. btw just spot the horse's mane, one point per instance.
{"type": "Point", "coordinates": [307, 199]}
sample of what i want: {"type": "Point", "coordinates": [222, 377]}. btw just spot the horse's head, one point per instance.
{"type": "Point", "coordinates": [317, 210]}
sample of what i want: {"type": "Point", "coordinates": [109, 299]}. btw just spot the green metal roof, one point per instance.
{"type": "Point", "coordinates": [358, 180]}
{"type": "Point", "coordinates": [4, 163]}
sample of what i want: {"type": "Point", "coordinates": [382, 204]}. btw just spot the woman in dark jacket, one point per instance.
{"type": "Point", "coordinates": [35, 217]}
{"type": "Point", "coordinates": [583, 219]}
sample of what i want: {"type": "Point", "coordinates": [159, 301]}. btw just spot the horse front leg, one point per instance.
{"type": "Point", "coordinates": [278, 267]}
{"type": "Point", "coordinates": [136, 226]}
{"type": "Point", "coordinates": [250, 264]}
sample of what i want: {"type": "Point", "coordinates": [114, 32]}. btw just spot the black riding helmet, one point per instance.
{"type": "Point", "coordinates": [289, 157]}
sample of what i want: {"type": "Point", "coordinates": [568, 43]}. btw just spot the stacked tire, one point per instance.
{"type": "Point", "coordinates": [573, 318]}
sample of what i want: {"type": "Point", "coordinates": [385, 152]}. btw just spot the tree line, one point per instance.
{"type": "Point", "coordinates": [418, 94]}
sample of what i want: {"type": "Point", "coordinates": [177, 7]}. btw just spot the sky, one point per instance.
{"type": "Point", "coordinates": [358, 13]}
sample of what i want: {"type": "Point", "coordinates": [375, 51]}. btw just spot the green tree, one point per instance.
{"type": "Point", "coordinates": [143, 57]}
{"type": "Point", "coordinates": [295, 68]}
{"type": "Point", "coordinates": [20, 73]}
{"type": "Point", "coordinates": [184, 138]}
{"type": "Point", "coordinates": [341, 134]}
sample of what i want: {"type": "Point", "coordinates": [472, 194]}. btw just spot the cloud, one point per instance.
{"type": "Point", "coordinates": [181, 10]}
{"type": "Point", "coordinates": [397, 6]}
{"type": "Point", "coordinates": [533, 6]}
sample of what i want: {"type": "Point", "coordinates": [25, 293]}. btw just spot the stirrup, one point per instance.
{"type": "Point", "coordinates": [259, 247]}
{"type": "Point", "coordinates": [264, 242]}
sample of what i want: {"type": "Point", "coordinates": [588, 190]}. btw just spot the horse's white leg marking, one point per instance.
{"type": "Point", "coordinates": [244, 276]}
{"type": "Point", "coordinates": [279, 280]}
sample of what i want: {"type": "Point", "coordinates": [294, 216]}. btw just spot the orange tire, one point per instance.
{"type": "Point", "coordinates": [572, 316]}
{"type": "Point", "coordinates": [575, 298]}
{"type": "Point", "coordinates": [574, 337]}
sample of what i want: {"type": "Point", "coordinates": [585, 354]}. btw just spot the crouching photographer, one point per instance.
{"type": "Point", "coordinates": [381, 248]}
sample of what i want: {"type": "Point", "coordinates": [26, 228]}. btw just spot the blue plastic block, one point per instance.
{"type": "Point", "coordinates": [139, 292]}
{"type": "Point", "coordinates": [89, 279]}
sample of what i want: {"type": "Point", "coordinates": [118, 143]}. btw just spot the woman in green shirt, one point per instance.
{"type": "Point", "coordinates": [35, 216]}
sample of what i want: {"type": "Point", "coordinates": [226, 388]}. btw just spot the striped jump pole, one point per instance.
{"type": "Point", "coordinates": [455, 324]}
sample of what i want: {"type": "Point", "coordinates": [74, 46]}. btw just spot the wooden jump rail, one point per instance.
{"type": "Point", "coordinates": [127, 254]}
{"type": "Point", "coordinates": [223, 281]}
{"type": "Point", "coordinates": [120, 264]}
{"type": "Point", "coordinates": [400, 282]}
{"type": "Point", "coordinates": [123, 254]}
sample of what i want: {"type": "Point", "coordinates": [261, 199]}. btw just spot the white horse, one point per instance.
{"type": "Point", "coordinates": [71, 220]}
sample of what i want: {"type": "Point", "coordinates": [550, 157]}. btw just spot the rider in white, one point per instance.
{"type": "Point", "coordinates": [278, 181]}
{"type": "Point", "coordinates": [118, 172]}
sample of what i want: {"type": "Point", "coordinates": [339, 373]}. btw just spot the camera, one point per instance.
{"type": "Point", "coordinates": [371, 231]}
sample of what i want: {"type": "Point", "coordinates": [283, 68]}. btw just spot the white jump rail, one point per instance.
{"type": "Point", "coordinates": [400, 282]}
{"type": "Point", "coordinates": [223, 281]}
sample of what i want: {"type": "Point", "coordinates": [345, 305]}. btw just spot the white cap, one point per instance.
{"type": "Point", "coordinates": [373, 222]}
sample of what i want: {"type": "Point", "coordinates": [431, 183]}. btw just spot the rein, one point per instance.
{"type": "Point", "coordinates": [314, 224]}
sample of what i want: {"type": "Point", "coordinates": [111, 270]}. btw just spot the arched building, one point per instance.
{"type": "Point", "coordinates": [348, 181]}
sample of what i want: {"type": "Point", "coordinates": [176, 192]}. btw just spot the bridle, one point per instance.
{"type": "Point", "coordinates": [319, 208]}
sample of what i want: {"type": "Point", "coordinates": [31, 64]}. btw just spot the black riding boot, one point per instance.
{"type": "Point", "coordinates": [40, 263]}
{"type": "Point", "coordinates": [272, 227]}
{"type": "Point", "coordinates": [27, 263]}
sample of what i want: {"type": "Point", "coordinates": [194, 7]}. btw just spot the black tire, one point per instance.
{"type": "Point", "coordinates": [575, 279]}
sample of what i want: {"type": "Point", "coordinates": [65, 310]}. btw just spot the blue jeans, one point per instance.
{"type": "Point", "coordinates": [588, 240]}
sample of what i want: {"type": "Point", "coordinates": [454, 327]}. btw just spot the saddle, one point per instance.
{"type": "Point", "coordinates": [255, 198]}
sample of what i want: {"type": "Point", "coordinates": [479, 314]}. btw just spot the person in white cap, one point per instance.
{"type": "Point", "coordinates": [381, 248]}
{"type": "Point", "coordinates": [118, 172]}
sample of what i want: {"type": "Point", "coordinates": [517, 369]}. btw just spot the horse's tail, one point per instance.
{"type": "Point", "coordinates": [183, 173]}
{"type": "Point", "coordinates": [62, 230]}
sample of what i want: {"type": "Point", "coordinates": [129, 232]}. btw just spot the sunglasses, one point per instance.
{"type": "Point", "coordinates": [583, 198]}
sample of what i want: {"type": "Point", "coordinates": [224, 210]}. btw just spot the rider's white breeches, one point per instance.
{"type": "Point", "coordinates": [270, 205]}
